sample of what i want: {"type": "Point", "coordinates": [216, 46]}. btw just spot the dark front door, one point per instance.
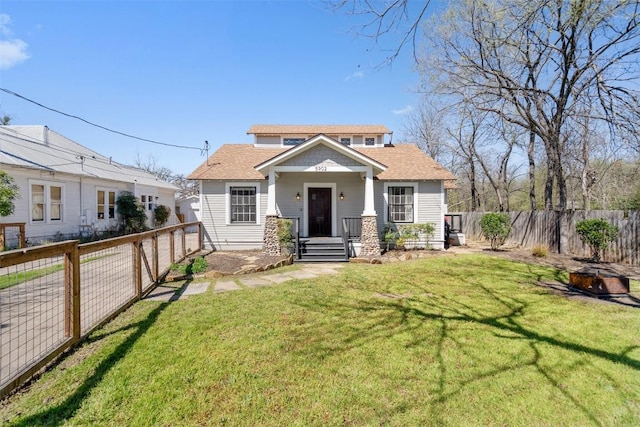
{"type": "Point", "coordinates": [319, 212]}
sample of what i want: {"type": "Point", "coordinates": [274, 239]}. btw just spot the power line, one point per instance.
{"type": "Point", "coordinates": [10, 92]}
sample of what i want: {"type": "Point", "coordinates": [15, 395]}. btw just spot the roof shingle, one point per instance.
{"type": "Point", "coordinates": [238, 161]}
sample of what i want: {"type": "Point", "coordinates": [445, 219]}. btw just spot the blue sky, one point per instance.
{"type": "Point", "coordinates": [182, 72]}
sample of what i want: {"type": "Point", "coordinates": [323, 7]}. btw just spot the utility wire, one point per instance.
{"type": "Point", "coordinates": [10, 92]}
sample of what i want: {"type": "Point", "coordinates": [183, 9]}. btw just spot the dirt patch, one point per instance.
{"type": "Point", "coordinates": [238, 262]}
{"type": "Point", "coordinates": [567, 263]}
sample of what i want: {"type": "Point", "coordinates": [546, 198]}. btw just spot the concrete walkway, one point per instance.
{"type": "Point", "coordinates": [235, 283]}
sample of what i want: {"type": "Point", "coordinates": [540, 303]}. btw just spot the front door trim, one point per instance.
{"type": "Point", "coordinates": [334, 207]}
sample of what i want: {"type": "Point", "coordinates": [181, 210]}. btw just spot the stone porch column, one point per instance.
{"type": "Point", "coordinates": [270, 241]}
{"type": "Point", "coordinates": [369, 239]}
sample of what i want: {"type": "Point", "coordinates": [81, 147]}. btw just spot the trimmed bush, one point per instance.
{"type": "Point", "coordinates": [597, 233]}
{"type": "Point", "coordinates": [496, 228]}
{"type": "Point", "coordinates": [161, 215]}
{"type": "Point", "coordinates": [132, 213]}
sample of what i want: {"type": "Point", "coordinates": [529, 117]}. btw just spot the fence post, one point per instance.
{"type": "Point", "coordinates": [172, 246]}
{"type": "Point", "coordinates": [184, 241]}
{"type": "Point", "coordinates": [23, 238]}
{"type": "Point", "coordinates": [156, 262]}
{"type": "Point", "coordinates": [137, 266]}
{"type": "Point", "coordinates": [72, 292]}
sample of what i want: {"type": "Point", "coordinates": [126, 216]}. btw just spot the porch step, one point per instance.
{"type": "Point", "coordinates": [322, 251]}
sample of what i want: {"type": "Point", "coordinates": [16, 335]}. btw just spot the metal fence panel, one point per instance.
{"type": "Point", "coordinates": [32, 314]}
{"type": "Point", "coordinates": [52, 295]}
{"type": "Point", "coordinates": [107, 283]}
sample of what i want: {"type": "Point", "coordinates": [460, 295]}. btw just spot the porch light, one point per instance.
{"type": "Point", "coordinates": [298, 196]}
{"type": "Point", "coordinates": [341, 196]}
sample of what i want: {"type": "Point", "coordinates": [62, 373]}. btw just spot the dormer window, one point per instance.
{"type": "Point", "coordinates": [292, 141]}
{"type": "Point", "coordinates": [369, 141]}
{"type": "Point", "coordinates": [345, 141]}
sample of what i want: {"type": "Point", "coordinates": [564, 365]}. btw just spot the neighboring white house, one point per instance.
{"type": "Point", "coordinates": [319, 175]}
{"type": "Point", "coordinates": [67, 189]}
{"type": "Point", "coordinates": [189, 207]}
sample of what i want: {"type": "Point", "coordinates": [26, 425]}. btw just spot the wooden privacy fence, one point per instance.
{"type": "Point", "coordinates": [547, 228]}
{"type": "Point", "coordinates": [54, 295]}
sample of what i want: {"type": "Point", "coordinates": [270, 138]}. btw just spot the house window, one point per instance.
{"type": "Point", "coordinates": [243, 204]}
{"type": "Point", "coordinates": [46, 202]}
{"type": "Point", "coordinates": [345, 141]}
{"type": "Point", "coordinates": [55, 203]}
{"type": "Point", "coordinates": [292, 141]}
{"type": "Point", "coordinates": [147, 202]}
{"type": "Point", "coordinates": [369, 141]}
{"type": "Point", "coordinates": [106, 204]}
{"type": "Point", "coordinates": [400, 204]}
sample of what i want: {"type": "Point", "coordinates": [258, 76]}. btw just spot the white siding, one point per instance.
{"type": "Point", "coordinates": [213, 210]}
{"type": "Point", "coordinates": [430, 208]}
{"type": "Point", "coordinates": [36, 232]}
{"type": "Point", "coordinates": [79, 199]}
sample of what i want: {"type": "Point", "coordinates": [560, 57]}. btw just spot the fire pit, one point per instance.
{"type": "Point", "coordinates": [600, 281]}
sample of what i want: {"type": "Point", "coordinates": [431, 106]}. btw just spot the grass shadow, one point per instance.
{"type": "Point", "coordinates": [382, 319]}
{"type": "Point", "coordinates": [59, 414]}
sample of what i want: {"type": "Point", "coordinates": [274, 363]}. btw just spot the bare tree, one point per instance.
{"type": "Point", "coordinates": [399, 20]}
{"type": "Point", "coordinates": [187, 187]}
{"type": "Point", "coordinates": [424, 127]}
{"type": "Point", "coordinates": [532, 63]}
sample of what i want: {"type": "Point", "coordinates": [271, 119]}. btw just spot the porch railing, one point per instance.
{"type": "Point", "coordinates": [354, 227]}
{"type": "Point", "coordinates": [351, 231]}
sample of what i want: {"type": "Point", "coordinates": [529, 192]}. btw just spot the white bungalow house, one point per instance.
{"type": "Point", "coordinates": [333, 180]}
{"type": "Point", "coordinates": [68, 190]}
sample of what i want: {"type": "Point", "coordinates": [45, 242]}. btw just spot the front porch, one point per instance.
{"type": "Point", "coordinates": [329, 189]}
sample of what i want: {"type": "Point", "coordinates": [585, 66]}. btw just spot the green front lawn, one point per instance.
{"type": "Point", "coordinates": [452, 340]}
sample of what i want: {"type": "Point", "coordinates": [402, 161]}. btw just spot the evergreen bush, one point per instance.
{"type": "Point", "coordinates": [496, 228]}
{"type": "Point", "coordinates": [597, 233]}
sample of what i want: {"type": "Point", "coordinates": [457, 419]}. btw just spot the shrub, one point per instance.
{"type": "Point", "coordinates": [284, 231]}
{"type": "Point", "coordinates": [161, 215]}
{"type": "Point", "coordinates": [132, 213]}
{"type": "Point", "coordinates": [598, 234]}
{"type": "Point", "coordinates": [496, 228]}
{"type": "Point", "coordinates": [196, 265]}
{"type": "Point", "coordinates": [9, 191]}
{"type": "Point", "coordinates": [540, 251]}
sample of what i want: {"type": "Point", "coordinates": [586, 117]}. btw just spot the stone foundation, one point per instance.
{"type": "Point", "coordinates": [271, 243]}
{"type": "Point", "coordinates": [369, 239]}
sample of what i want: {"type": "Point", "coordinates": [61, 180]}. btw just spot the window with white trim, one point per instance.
{"type": "Point", "coordinates": [106, 203]}
{"type": "Point", "coordinates": [243, 206]}
{"type": "Point", "coordinates": [400, 204]}
{"type": "Point", "coordinates": [369, 141]}
{"type": "Point", "coordinates": [47, 201]}
{"type": "Point", "coordinates": [345, 141]}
